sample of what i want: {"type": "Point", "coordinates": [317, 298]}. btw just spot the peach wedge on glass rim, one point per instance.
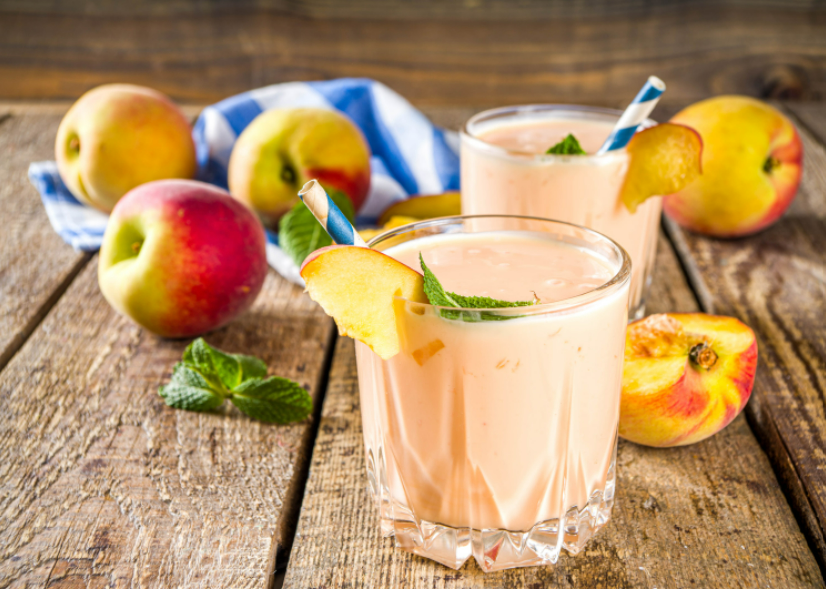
{"type": "Point", "coordinates": [356, 286]}
{"type": "Point", "coordinates": [685, 377]}
{"type": "Point", "coordinates": [663, 159]}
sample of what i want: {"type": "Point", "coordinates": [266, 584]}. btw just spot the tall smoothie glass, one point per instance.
{"type": "Point", "coordinates": [505, 170]}
{"type": "Point", "coordinates": [493, 432]}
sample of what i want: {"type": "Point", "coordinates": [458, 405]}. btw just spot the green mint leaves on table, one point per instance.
{"type": "Point", "coordinates": [437, 295]}
{"type": "Point", "coordinates": [300, 233]}
{"type": "Point", "coordinates": [568, 146]}
{"type": "Point", "coordinates": [206, 377]}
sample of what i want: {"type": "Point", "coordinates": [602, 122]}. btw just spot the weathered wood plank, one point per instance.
{"type": "Point", "coordinates": [776, 282]}
{"type": "Point", "coordinates": [699, 50]}
{"type": "Point", "coordinates": [813, 117]}
{"type": "Point", "coordinates": [36, 265]}
{"type": "Point", "coordinates": [390, 9]}
{"type": "Point", "coordinates": [101, 484]}
{"type": "Point", "coordinates": [707, 515]}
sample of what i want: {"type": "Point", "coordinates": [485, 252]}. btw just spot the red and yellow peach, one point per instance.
{"type": "Point", "coordinates": [685, 377]}
{"type": "Point", "coordinates": [119, 136]}
{"type": "Point", "coordinates": [752, 164]}
{"type": "Point", "coordinates": [181, 257]}
{"type": "Point", "coordinates": [284, 148]}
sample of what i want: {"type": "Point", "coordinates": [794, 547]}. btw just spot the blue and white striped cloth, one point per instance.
{"type": "Point", "coordinates": [410, 155]}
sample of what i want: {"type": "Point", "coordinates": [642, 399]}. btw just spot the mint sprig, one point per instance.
{"type": "Point", "coordinates": [206, 377]}
{"type": "Point", "coordinates": [437, 295]}
{"type": "Point", "coordinates": [568, 146]}
{"type": "Point", "coordinates": [300, 233]}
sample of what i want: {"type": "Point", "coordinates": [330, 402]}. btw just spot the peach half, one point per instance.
{"type": "Point", "coordinates": [356, 286]}
{"type": "Point", "coordinates": [685, 377]}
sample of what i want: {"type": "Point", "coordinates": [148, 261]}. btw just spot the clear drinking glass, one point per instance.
{"type": "Point", "coordinates": [581, 189]}
{"type": "Point", "coordinates": [497, 438]}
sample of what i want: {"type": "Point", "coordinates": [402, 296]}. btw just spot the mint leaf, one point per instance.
{"type": "Point", "coordinates": [223, 370]}
{"type": "Point", "coordinates": [206, 376]}
{"type": "Point", "coordinates": [300, 233]}
{"type": "Point", "coordinates": [220, 369]}
{"type": "Point", "coordinates": [437, 295]}
{"type": "Point", "coordinates": [433, 289]}
{"type": "Point", "coordinates": [189, 390]}
{"type": "Point", "coordinates": [274, 400]}
{"type": "Point", "coordinates": [251, 367]}
{"type": "Point", "coordinates": [568, 146]}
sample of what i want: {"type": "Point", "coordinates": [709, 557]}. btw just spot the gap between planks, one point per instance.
{"type": "Point", "coordinates": [23, 335]}
{"type": "Point", "coordinates": [7, 112]}
{"type": "Point", "coordinates": [280, 552]}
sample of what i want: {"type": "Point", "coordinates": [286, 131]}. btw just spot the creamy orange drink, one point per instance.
{"type": "Point", "coordinates": [506, 170]}
{"type": "Point", "coordinates": [491, 429]}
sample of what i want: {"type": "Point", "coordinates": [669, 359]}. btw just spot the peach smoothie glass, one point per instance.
{"type": "Point", "coordinates": [493, 433]}
{"type": "Point", "coordinates": [505, 170]}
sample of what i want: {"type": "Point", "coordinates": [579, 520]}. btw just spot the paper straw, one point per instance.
{"type": "Point", "coordinates": [634, 115]}
{"type": "Point", "coordinates": [329, 215]}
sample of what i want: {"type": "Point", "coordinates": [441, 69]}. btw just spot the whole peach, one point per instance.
{"type": "Point", "coordinates": [181, 257]}
{"type": "Point", "coordinates": [119, 136]}
{"type": "Point", "coordinates": [752, 164]}
{"type": "Point", "coordinates": [284, 148]}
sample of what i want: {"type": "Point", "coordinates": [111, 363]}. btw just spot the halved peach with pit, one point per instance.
{"type": "Point", "coordinates": [685, 377]}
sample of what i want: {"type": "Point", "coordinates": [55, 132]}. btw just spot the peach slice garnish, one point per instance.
{"type": "Point", "coordinates": [424, 207]}
{"type": "Point", "coordinates": [685, 377]}
{"type": "Point", "coordinates": [663, 160]}
{"type": "Point", "coordinates": [356, 286]}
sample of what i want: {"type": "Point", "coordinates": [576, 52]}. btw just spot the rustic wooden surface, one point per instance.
{"type": "Point", "coordinates": [102, 485]}
{"type": "Point", "coordinates": [708, 515]}
{"type": "Point", "coordinates": [472, 54]}
{"type": "Point", "coordinates": [35, 265]}
{"type": "Point", "coordinates": [776, 283]}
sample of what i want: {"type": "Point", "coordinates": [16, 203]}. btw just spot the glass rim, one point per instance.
{"type": "Point", "coordinates": [621, 277]}
{"type": "Point", "coordinates": [502, 111]}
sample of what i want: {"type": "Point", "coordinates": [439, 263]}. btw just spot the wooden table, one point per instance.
{"type": "Point", "coordinates": [102, 485]}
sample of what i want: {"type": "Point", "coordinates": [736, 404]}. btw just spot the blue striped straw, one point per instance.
{"type": "Point", "coordinates": [329, 215]}
{"type": "Point", "coordinates": [634, 115]}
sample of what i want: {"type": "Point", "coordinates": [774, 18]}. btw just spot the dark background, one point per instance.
{"type": "Point", "coordinates": [436, 53]}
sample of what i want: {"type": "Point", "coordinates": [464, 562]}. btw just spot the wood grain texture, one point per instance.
{"type": "Point", "coordinates": [699, 51]}
{"type": "Point", "coordinates": [36, 265]}
{"type": "Point", "coordinates": [775, 282]}
{"type": "Point", "coordinates": [102, 485]}
{"type": "Point", "coordinates": [393, 9]}
{"type": "Point", "coordinates": [708, 515]}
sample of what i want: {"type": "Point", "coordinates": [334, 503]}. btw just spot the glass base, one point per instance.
{"type": "Point", "coordinates": [493, 549]}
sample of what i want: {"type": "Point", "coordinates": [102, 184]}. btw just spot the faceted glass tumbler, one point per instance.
{"type": "Point", "coordinates": [582, 189]}
{"type": "Point", "coordinates": [497, 438]}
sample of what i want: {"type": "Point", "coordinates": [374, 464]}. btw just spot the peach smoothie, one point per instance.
{"type": "Point", "coordinates": [503, 419]}
{"type": "Point", "coordinates": [505, 170]}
